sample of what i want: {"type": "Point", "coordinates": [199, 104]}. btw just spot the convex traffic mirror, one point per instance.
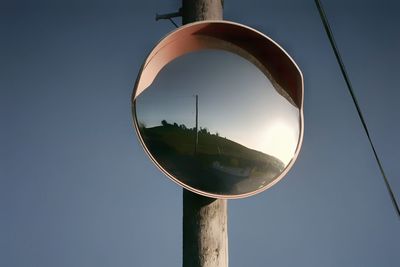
{"type": "Point", "coordinates": [218, 108]}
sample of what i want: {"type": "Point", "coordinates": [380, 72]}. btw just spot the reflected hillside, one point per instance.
{"type": "Point", "coordinates": [216, 164]}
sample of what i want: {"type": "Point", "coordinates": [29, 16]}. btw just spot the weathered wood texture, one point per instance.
{"type": "Point", "coordinates": [205, 232]}
{"type": "Point", "coordinates": [196, 10]}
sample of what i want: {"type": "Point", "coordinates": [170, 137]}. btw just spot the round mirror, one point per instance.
{"type": "Point", "coordinates": [217, 121]}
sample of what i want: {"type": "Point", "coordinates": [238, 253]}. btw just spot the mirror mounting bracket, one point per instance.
{"type": "Point", "coordinates": [169, 16]}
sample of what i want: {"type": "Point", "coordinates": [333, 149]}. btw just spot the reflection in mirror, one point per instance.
{"type": "Point", "coordinates": [215, 122]}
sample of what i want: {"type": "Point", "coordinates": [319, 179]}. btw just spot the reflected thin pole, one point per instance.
{"type": "Point", "coordinates": [197, 125]}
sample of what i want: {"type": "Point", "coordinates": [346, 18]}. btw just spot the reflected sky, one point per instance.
{"type": "Point", "coordinates": [236, 100]}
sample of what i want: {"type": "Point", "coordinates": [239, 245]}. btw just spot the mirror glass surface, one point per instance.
{"type": "Point", "coordinates": [214, 121]}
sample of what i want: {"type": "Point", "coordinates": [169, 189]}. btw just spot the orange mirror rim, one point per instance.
{"type": "Point", "coordinates": [249, 43]}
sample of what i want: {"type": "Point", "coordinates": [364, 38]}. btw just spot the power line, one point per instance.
{"type": "Point", "coordinates": [353, 96]}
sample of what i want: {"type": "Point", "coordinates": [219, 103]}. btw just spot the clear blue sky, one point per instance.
{"type": "Point", "coordinates": [76, 188]}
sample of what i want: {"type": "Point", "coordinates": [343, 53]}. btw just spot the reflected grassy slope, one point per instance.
{"type": "Point", "coordinates": [219, 166]}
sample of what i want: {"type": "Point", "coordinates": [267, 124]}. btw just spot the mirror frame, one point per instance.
{"type": "Point", "coordinates": [239, 39]}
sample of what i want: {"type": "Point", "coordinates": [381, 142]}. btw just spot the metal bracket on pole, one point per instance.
{"type": "Point", "coordinates": [169, 16]}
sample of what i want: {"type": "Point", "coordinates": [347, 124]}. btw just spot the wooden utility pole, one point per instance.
{"type": "Point", "coordinates": [197, 10]}
{"type": "Point", "coordinates": [205, 232]}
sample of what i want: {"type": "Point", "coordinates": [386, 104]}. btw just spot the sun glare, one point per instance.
{"type": "Point", "coordinates": [280, 140]}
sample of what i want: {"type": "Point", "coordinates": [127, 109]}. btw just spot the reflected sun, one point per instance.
{"type": "Point", "coordinates": [279, 139]}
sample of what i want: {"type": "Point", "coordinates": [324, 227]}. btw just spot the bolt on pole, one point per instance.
{"type": "Point", "coordinates": [205, 220]}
